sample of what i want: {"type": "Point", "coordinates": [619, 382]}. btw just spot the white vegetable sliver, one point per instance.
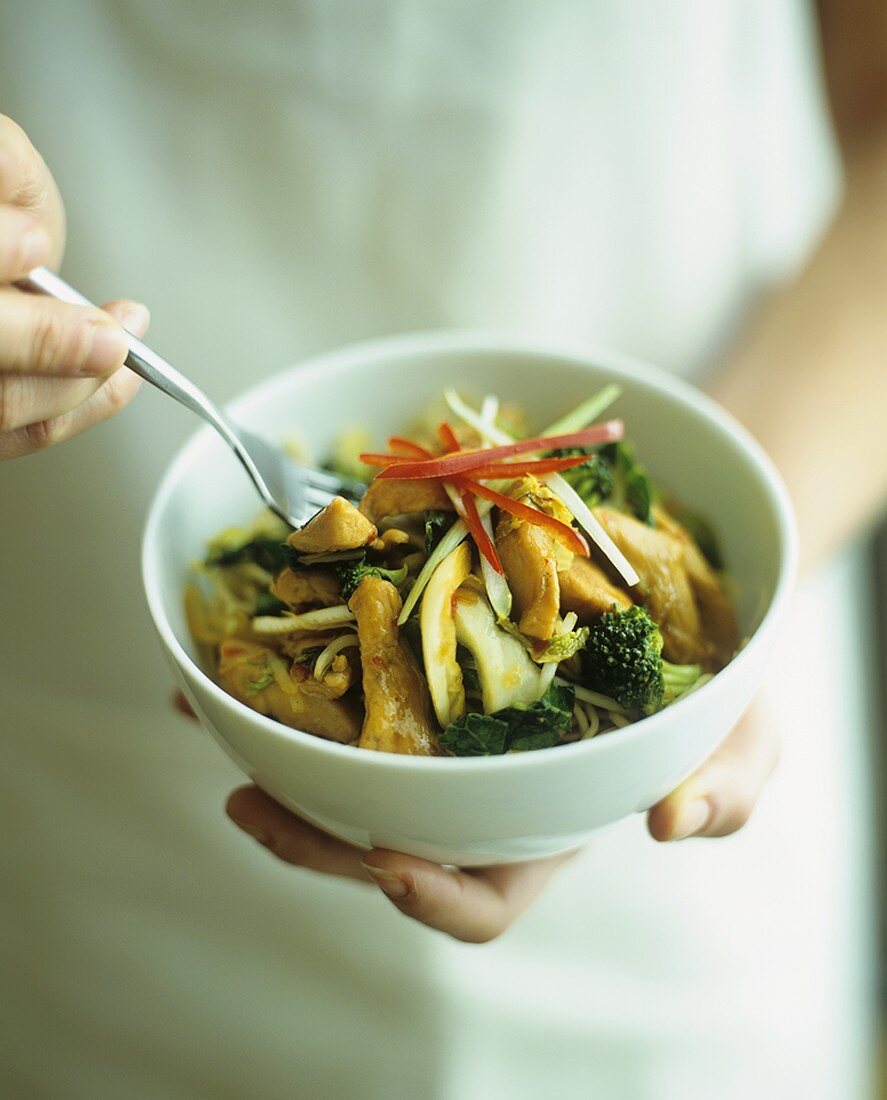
{"type": "Point", "coordinates": [325, 618]}
{"type": "Point", "coordinates": [558, 486]}
{"type": "Point", "coordinates": [475, 420]}
{"type": "Point", "coordinates": [498, 592]}
{"type": "Point", "coordinates": [447, 544]}
{"type": "Point", "coordinates": [325, 657]}
{"type": "Point", "coordinates": [489, 410]}
{"type": "Point", "coordinates": [586, 520]}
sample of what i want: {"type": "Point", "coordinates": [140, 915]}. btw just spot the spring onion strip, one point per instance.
{"type": "Point", "coordinates": [701, 681]}
{"type": "Point", "coordinates": [589, 410]}
{"type": "Point", "coordinates": [593, 697]}
{"type": "Point", "coordinates": [558, 486]}
{"type": "Point", "coordinates": [325, 618]}
{"type": "Point", "coordinates": [498, 592]}
{"type": "Point", "coordinates": [325, 657]}
{"type": "Point", "coordinates": [447, 544]}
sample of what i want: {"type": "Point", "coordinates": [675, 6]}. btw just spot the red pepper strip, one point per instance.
{"type": "Point", "coordinates": [466, 461]}
{"type": "Point", "coordinates": [566, 534]}
{"type": "Point", "coordinates": [415, 450]}
{"type": "Point", "coordinates": [476, 529]}
{"type": "Point", "coordinates": [503, 470]}
{"type": "Point", "coordinates": [448, 437]}
{"type": "Point", "coordinates": [371, 458]}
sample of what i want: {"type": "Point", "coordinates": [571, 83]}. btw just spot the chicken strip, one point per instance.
{"type": "Point", "coordinates": [665, 587]}
{"type": "Point", "coordinates": [530, 561]}
{"type": "Point", "coordinates": [398, 706]}
{"type": "Point", "coordinates": [307, 588]}
{"type": "Point", "coordinates": [678, 588]}
{"type": "Point", "coordinates": [389, 497]}
{"type": "Point", "coordinates": [715, 609]}
{"type": "Point", "coordinates": [245, 673]}
{"type": "Point", "coordinates": [586, 590]}
{"type": "Point", "coordinates": [340, 526]}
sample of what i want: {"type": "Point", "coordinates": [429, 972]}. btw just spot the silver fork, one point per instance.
{"type": "Point", "coordinates": [292, 490]}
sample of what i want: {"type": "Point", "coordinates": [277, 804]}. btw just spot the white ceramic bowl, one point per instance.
{"type": "Point", "coordinates": [476, 811]}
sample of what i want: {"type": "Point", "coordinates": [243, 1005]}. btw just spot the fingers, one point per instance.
{"type": "Point", "coordinates": [26, 182]}
{"type": "Point", "coordinates": [181, 704]}
{"type": "Point", "coordinates": [474, 906]}
{"type": "Point", "coordinates": [36, 411]}
{"type": "Point", "coordinates": [39, 335]}
{"type": "Point", "coordinates": [289, 837]}
{"type": "Point", "coordinates": [24, 244]}
{"type": "Point", "coordinates": [113, 395]}
{"type": "Point", "coordinates": [720, 796]}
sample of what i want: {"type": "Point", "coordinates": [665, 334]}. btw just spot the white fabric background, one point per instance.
{"type": "Point", "coordinates": [278, 179]}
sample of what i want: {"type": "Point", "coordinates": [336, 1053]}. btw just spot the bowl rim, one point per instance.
{"type": "Point", "coordinates": [467, 341]}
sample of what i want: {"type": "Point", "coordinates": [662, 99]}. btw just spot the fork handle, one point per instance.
{"type": "Point", "coordinates": [141, 359]}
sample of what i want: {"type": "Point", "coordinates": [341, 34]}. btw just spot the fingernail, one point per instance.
{"type": "Point", "coordinates": [692, 819]}
{"type": "Point", "coordinates": [254, 831]}
{"type": "Point", "coordinates": [34, 248]}
{"type": "Point", "coordinates": [107, 350]}
{"type": "Point", "coordinates": [136, 318]}
{"type": "Point", "coordinates": [388, 882]}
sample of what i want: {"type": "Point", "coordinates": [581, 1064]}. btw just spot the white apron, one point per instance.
{"type": "Point", "coordinates": [277, 179]}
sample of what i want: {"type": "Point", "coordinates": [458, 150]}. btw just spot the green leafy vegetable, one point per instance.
{"type": "Point", "coordinates": [623, 659]}
{"type": "Point", "coordinates": [633, 488]}
{"type": "Point", "coordinates": [269, 553]}
{"type": "Point", "coordinates": [266, 604]}
{"type": "Point", "coordinates": [436, 526]}
{"type": "Point", "coordinates": [308, 656]}
{"type": "Point", "coordinates": [522, 729]}
{"type": "Point", "coordinates": [562, 646]}
{"type": "Point", "coordinates": [593, 480]}
{"type": "Point", "coordinates": [351, 573]}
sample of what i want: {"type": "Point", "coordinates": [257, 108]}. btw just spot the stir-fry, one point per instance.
{"type": "Point", "coordinates": [488, 594]}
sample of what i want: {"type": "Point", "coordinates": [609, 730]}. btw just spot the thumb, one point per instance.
{"type": "Point", "coordinates": [719, 797]}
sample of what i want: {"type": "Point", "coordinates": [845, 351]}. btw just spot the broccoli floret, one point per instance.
{"type": "Point", "coordinates": [351, 573]}
{"type": "Point", "coordinates": [623, 659]}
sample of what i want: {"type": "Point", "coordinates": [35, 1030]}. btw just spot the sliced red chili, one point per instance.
{"type": "Point", "coordinates": [408, 447]}
{"type": "Point", "coordinates": [448, 437]}
{"type": "Point", "coordinates": [482, 540]}
{"type": "Point", "coordinates": [465, 462]}
{"type": "Point", "coordinates": [501, 470]}
{"type": "Point", "coordinates": [566, 534]}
